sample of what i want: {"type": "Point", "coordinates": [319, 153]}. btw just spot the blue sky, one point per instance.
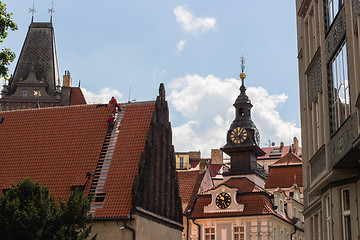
{"type": "Point", "coordinates": [194, 47]}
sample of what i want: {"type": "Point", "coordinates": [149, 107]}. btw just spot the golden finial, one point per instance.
{"type": "Point", "coordinates": [242, 74]}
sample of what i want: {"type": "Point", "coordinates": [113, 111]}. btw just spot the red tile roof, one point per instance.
{"type": "Point", "coordinates": [59, 146]}
{"type": "Point", "coordinates": [255, 204]}
{"type": "Point", "coordinates": [243, 184]}
{"type": "Point", "coordinates": [77, 97]}
{"type": "Point", "coordinates": [285, 172]}
{"type": "Point", "coordinates": [51, 145]}
{"type": "Point", "coordinates": [189, 183]}
{"type": "Point", "coordinates": [256, 201]}
{"type": "Point", "coordinates": [287, 160]}
{"type": "Point", "coordinates": [125, 162]}
{"type": "Point", "coordinates": [277, 152]}
{"type": "Point", "coordinates": [283, 177]}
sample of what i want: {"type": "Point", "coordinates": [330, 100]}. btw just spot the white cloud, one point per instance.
{"type": "Point", "coordinates": [206, 103]}
{"type": "Point", "coordinates": [103, 96]}
{"type": "Point", "coordinates": [193, 24]}
{"type": "Point", "coordinates": [180, 46]}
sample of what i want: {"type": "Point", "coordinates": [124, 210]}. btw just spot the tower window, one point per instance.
{"type": "Point", "coordinates": [24, 93]}
{"type": "Point", "coordinates": [241, 112]}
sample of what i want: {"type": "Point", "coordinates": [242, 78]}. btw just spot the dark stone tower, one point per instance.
{"type": "Point", "coordinates": [243, 138]}
{"type": "Point", "coordinates": [35, 82]}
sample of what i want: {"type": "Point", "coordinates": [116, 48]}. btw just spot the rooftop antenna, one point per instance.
{"type": "Point", "coordinates": [129, 94]}
{"type": "Point", "coordinates": [51, 10]}
{"type": "Point", "coordinates": [32, 10]}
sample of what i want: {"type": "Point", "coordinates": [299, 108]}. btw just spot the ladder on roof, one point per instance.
{"type": "Point", "coordinates": [103, 165]}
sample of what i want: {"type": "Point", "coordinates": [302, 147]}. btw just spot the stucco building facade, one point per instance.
{"type": "Point", "coordinates": [329, 79]}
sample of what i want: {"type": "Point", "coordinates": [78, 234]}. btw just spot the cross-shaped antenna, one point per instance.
{"type": "Point", "coordinates": [32, 10]}
{"type": "Point", "coordinates": [242, 63]}
{"type": "Point", "coordinates": [51, 10]}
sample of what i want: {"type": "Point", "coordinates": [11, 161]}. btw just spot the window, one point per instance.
{"type": "Point", "coordinates": [340, 87]}
{"type": "Point", "coordinates": [209, 233]}
{"type": "Point", "coordinates": [345, 207]}
{"type": "Point", "coordinates": [281, 205]}
{"type": "Point", "coordinates": [181, 162]}
{"type": "Point", "coordinates": [24, 92]}
{"type": "Point", "coordinates": [239, 233]}
{"type": "Point", "coordinates": [333, 7]}
{"type": "Point", "coordinates": [328, 217]}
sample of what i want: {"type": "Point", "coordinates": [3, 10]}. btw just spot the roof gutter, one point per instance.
{"type": "Point", "coordinates": [129, 228]}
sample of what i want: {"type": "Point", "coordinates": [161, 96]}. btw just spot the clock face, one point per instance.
{"type": "Point", "coordinates": [238, 135]}
{"type": "Point", "coordinates": [257, 136]}
{"type": "Point", "coordinates": [223, 200]}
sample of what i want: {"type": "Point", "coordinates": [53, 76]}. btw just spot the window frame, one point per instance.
{"type": "Point", "coordinates": [340, 86]}
{"type": "Point", "coordinates": [239, 233]}
{"type": "Point", "coordinates": [210, 234]}
{"type": "Point", "coordinates": [346, 215]}
{"type": "Point", "coordinates": [333, 8]}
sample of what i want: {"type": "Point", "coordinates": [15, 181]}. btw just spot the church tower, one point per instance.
{"type": "Point", "coordinates": [35, 82]}
{"type": "Point", "coordinates": [243, 139]}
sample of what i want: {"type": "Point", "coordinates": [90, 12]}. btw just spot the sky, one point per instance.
{"type": "Point", "coordinates": [127, 48]}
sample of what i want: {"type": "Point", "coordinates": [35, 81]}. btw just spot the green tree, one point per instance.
{"type": "Point", "coordinates": [6, 55]}
{"type": "Point", "coordinates": [29, 211]}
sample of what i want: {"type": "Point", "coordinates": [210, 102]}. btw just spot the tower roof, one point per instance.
{"type": "Point", "coordinates": [38, 54]}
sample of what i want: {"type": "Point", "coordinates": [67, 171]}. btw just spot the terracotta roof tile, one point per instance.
{"type": "Point", "coordinates": [77, 97]}
{"type": "Point", "coordinates": [276, 152]}
{"type": "Point", "coordinates": [189, 183]}
{"type": "Point", "coordinates": [283, 176]}
{"type": "Point", "coordinates": [288, 159]}
{"type": "Point", "coordinates": [243, 184]}
{"type": "Point", "coordinates": [52, 145]}
{"type": "Point", "coordinates": [124, 165]}
{"type": "Point", "coordinates": [255, 204]}
{"type": "Point", "coordinates": [59, 146]}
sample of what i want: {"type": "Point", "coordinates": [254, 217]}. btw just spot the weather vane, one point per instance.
{"type": "Point", "coordinates": [51, 10]}
{"type": "Point", "coordinates": [242, 63]}
{"type": "Point", "coordinates": [32, 10]}
{"type": "Point", "coordinates": [242, 74]}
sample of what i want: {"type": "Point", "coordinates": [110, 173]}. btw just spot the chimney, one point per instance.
{"type": "Point", "coordinates": [281, 145]}
{"type": "Point", "coordinates": [194, 155]}
{"type": "Point", "coordinates": [216, 156]}
{"type": "Point", "coordinates": [67, 81]}
{"type": "Point", "coordinates": [296, 145]}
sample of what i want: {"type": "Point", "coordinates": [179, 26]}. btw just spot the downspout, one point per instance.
{"type": "Point", "coordinates": [191, 210]}
{"type": "Point", "coordinates": [187, 229]}
{"type": "Point", "coordinates": [129, 228]}
{"type": "Point", "coordinates": [199, 229]}
{"type": "Point", "coordinates": [295, 228]}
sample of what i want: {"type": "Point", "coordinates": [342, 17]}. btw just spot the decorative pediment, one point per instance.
{"type": "Point", "coordinates": [224, 200]}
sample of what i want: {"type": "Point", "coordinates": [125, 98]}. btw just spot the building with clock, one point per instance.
{"type": "Point", "coordinates": [240, 207]}
{"type": "Point", "coordinates": [35, 82]}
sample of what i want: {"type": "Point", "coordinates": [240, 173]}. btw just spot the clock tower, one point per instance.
{"type": "Point", "coordinates": [242, 139]}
